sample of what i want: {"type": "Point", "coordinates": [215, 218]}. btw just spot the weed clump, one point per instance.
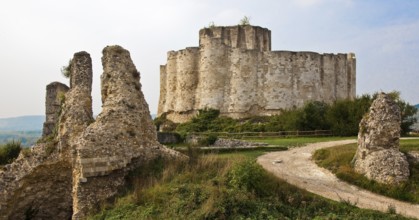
{"type": "Point", "coordinates": [9, 152]}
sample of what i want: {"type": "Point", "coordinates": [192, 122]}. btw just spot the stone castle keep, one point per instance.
{"type": "Point", "coordinates": [83, 162]}
{"type": "Point", "coordinates": [235, 71]}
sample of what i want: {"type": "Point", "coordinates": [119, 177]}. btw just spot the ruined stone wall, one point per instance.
{"type": "Point", "coordinates": [86, 162]}
{"type": "Point", "coordinates": [38, 185]}
{"type": "Point", "coordinates": [378, 156]}
{"type": "Point", "coordinates": [122, 138]}
{"type": "Point", "coordinates": [234, 70]}
{"type": "Point", "coordinates": [55, 96]}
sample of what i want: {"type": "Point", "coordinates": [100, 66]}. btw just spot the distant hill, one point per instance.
{"type": "Point", "coordinates": [23, 123]}
{"type": "Point", "coordinates": [26, 138]}
{"type": "Point", "coordinates": [417, 106]}
{"type": "Point", "coordinates": [26, 129]}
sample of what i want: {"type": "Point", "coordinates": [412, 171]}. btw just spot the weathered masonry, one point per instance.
{"type": "Point", "coordinates": [81, 162]}
{"type": "Point", "coordinates": [235, 71]}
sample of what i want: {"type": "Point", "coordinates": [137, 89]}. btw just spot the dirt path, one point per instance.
{"type": "Point", "coordinates": [297, 168]}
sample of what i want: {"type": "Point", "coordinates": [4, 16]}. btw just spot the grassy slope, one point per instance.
{"type": "Point", "coordinates": [223, 186]}
{"type": "Point", "coordinates": [338, 160]}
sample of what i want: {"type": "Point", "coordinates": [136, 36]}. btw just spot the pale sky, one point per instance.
{"type": "Point", "coordinates": [38, 37]}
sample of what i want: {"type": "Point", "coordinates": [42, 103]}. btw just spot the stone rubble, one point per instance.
{"type": "Point", "coordinates": [233, 143]}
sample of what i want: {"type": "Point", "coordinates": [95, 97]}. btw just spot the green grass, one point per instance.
{"type": "Point", "coordinates": [409, 145]}
{"type": "Point", "coordinates": [338, 160]}
{"type": "Point", "coordinates": [297, 141]}
{"type": "Point", "coordinates": [275, 144]}
{"type": "Point", "coordinates": [228, 185]}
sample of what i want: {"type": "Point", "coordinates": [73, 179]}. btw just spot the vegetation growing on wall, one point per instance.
{"type": "Point", "coordinates": [245, 21]}
{"type": "Point", "coordinates": [66, 70]}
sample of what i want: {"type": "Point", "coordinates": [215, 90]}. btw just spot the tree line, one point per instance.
{"type": "Point", "coordinates": [342, 117]}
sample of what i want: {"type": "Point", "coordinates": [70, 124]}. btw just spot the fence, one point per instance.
{"type": "Point", "coordinates": [315, 133]}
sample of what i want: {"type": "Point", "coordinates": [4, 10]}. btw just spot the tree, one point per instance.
{"type": "Point", "coordinates": [313, 117]}
{"type": "Point", "coordinates": [344, 116]}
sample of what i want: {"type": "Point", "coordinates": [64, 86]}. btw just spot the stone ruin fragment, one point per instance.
{"type": "Point", "coordinates": [378, 156]}
{"type": "Point", "coordinates": [81, 162]}
{"type": "Point", "coordinates": [53, 100]}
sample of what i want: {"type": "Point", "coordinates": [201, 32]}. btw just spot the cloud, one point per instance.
{"type": "Point", "coordinates": [387, 59]}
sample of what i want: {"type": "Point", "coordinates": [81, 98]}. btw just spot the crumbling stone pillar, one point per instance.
{"type": "Point", "coordinates": [378, 156]}
{"type": "Point", "coordinates": [122, 138]}
{"type": "Point", "coordinates": [77, 111]}
{"type": "Point", "coordinates": [53, 100]}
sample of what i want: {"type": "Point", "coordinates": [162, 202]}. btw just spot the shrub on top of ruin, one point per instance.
{"type": "Point", "coordinates": [211, 25]}
{"type": "Point", "coordinates": [66, 70]}
{"type": "Point", "coordinates": [9, 152]}
{"type": "Point", "coordinates": [245, 21]}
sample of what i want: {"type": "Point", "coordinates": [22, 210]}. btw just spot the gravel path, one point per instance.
{"type": "Point", "coordinates": [296, 167]}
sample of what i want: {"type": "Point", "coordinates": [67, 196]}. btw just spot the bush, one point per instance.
{"type": "Point", "coordinates": [313, 117]}
{"type": "Point", "coordinates": [200, 123]}
{"type": "Point", "coordinates": [344, 115]}
{"type": "Point", "coordinates": [248, 176]}
{"type": "Point", "coordinates": [208, 140]}
{"type": "Point", "coordinates": [9, 152]}
{"type": "Point", "coordinates": [211, 139]}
